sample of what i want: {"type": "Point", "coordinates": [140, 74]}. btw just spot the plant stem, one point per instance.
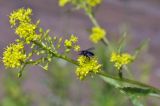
{"type": "Point", "coordinates": [100, 73]}
{"type": "Point", "coordinates": [67, 59]}
{"type": "Point", "coordinates": [56, 54]}
{"type": "Point", "coordinates": [93, 20]}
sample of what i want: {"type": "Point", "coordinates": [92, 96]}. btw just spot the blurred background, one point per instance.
{"type": "Point", "coordinates": [59, 86]}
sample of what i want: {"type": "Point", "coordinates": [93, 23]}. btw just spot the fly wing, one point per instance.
{"type": "Point", "coordinates": [82, 51]}
{"type": "Point", "coordinates": [89, 49]}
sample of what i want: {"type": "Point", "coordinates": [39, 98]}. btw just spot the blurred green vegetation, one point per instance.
{"type": "Point", "coordinates": [14, 94]}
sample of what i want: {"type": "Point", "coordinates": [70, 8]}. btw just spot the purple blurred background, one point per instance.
{"type": "Point", "coordinates": [140, 18]}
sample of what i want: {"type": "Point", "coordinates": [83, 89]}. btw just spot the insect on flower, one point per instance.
{"type": "Point", "coordinates": [87, 52]}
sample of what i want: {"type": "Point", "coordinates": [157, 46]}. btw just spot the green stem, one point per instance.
{"type": "Point", "coordinates": [67, 59]}
{"type": "Point", "coordinates": [100, 73]}
{"type": "Point", "coordinates": [56, 54]}
{"type": "Point", "coordinates": [93, 20]}
{"type": "Point", "coordinates": [21, 70]}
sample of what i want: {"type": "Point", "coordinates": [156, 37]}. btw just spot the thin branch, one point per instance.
{"type": "Point", "coordinates": [100, 73]}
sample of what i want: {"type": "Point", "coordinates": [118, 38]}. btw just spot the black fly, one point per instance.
{"type": "Point", "coordinates": [87, 53]}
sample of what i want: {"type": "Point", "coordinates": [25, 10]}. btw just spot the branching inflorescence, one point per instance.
{"type": "Point", "coordinates": [45, 47]}
{"type": "Point", "coordinates": [42, 45]}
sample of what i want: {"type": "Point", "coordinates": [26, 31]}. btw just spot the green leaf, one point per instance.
{"type": "Point", "coordinates": [131, 86]}
{"type": "Point", "coordinates": [135, 100]}
{"type": "Point", "coordinates": [111, 81]}
{"type": "Point", "coordinates": [143, 45]}
{"type": "Point", "coordinates": [137, 91]}
{"type": "Point", "coordinates": [122, 42]}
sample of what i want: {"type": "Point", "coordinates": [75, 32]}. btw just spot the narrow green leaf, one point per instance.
{"type": "Point", "coordinates": [111, 81]}
{"type": "Point", "coordinates": [141, 47]}
{"type": "Point", "coordinates": [122, 42]}
{"type": "Point", "coordinates": [131, 86]}
{"type": "Point", "coordinates": [137, 91]}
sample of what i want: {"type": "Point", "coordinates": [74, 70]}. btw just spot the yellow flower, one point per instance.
{"type": "Point", "coordinates": [67, 43]}
{"type": "Point", "coordinates": [121, 59]}
{"type": "Point", "coordinates": [93, 3]}
{"type": "Point", "coordinates": [73, 39]}
{"type": "Point", "coordinates": [63, 2]}
{"type": "Point", "coordinates": [21, 15]}
{"type": "Point", "coordinates": [76, 48]}
{"type": "Point", "coordinates": [86, 66]}
{"type": "Point", "coordinates": [27, 31]}
{"type": "Point", "coordinates": [23, 26]}
{"type": "Point", "coordinates": [14, 55]}
{"type": "Point", "coordinates": [97, 34]}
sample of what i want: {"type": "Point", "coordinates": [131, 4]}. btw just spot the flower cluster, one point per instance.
{"type": "Point", "coordinates": [86, 66]}
{"type": "Point", "coordinates": [24, 28]}
{"type": "Point", "coordinates": [27, 31]}
{"type": "Point", "coordinates": [97, 34]}
{"type": "Point", "coordinates": [14, 55]}
{"type": "Point", "coordinates": [93, 3]}
{"type": "Point", "coordinates": [121, 59]}
{"type": "Point", "coordinates": [22, 15]}
{"type": "Point", "coordinates": [69, 43]}
{"type": "Point", "coordinates": [90, 3]}
{"type": "Point", "coordinates": [20, 20]}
